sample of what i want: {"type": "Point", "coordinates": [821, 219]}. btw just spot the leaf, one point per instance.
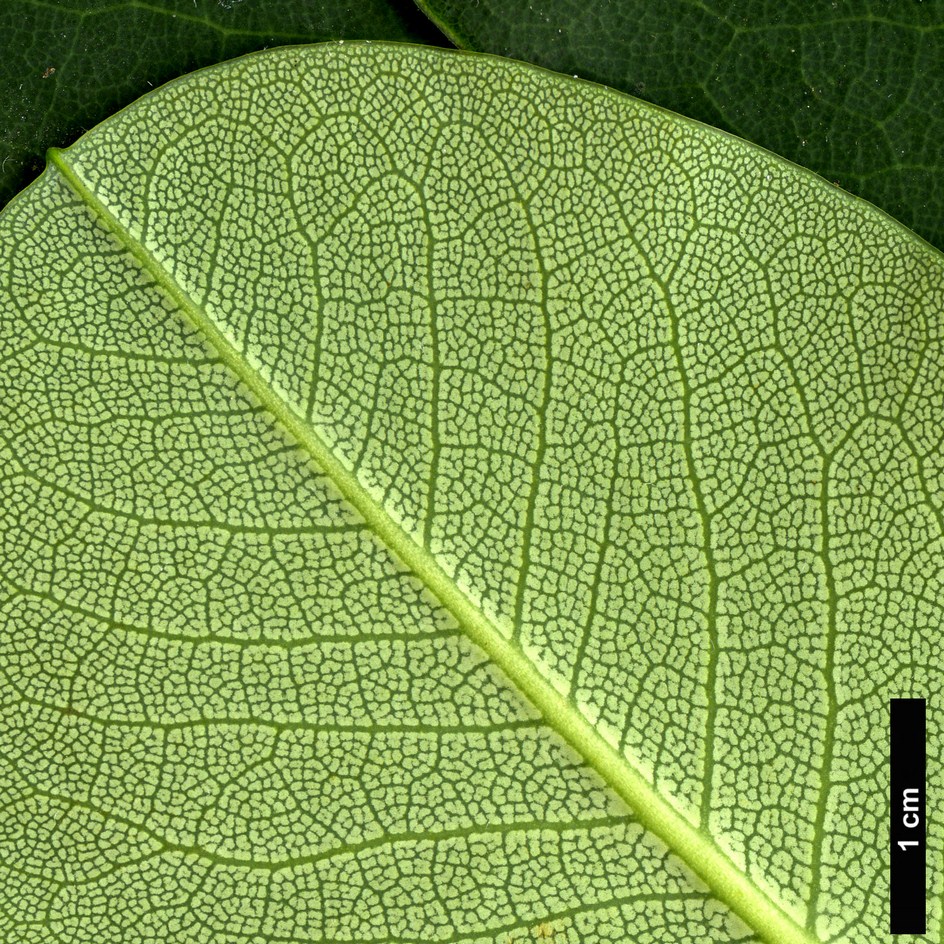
{"type": "Point", "coordinates": [65, 65]}
{"type": "Point", "coordinates": [445, 501]}
{"type": "Point", "coordinates": [852, 90]}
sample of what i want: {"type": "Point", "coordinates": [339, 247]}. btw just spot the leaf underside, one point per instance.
{"type": "Point", "coordinates": [851, 89]}
{"type": "Point", "coordinates": [351, 394]}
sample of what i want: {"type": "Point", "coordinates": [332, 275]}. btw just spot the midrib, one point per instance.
{"type": "Point", "coordinates": [728, 883]}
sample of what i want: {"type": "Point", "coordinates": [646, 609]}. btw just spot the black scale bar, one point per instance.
{"type": "Point", "coordinates": [908, 905]}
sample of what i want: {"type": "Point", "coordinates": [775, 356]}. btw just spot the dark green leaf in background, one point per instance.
{"type": "Point", "coordinates": [67, 64]}
{"type": "Point", "coordinates": [851, 89]}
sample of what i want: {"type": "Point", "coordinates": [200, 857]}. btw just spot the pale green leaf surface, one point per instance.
{"type": "Point", "coordinates": [348, 393]}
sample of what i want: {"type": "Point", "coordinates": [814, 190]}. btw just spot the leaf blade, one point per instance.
{"type": "Point", "coordinates": [748, 901]}
{"type": "Point", "coordinates": [158, 230]}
